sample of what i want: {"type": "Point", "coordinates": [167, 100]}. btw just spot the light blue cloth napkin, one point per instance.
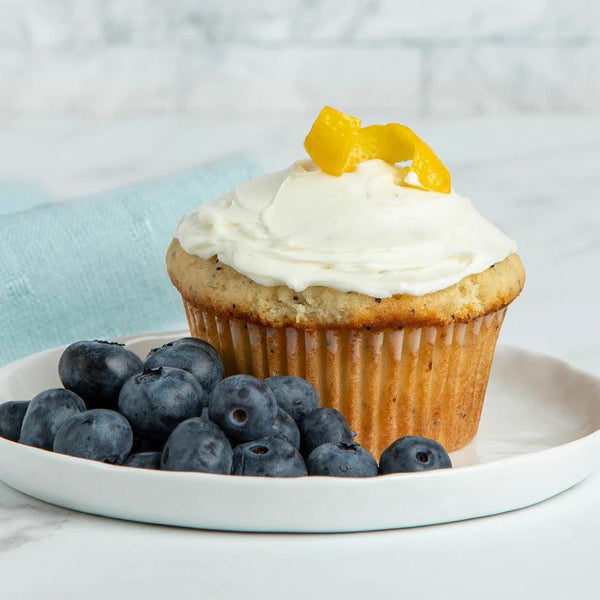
{"type": "Point", "coordinates": [94, 268]}
{"type": "Point", "coordinates": [16, 196]}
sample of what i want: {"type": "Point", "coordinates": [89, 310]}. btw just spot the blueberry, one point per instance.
{"type": "Point", "coordinates": [322, 426]}
{"type": "Point", "coordinates": [194, 341]}
{"type": "Point", "coordinates": [243, 407]}
{"type": "Point", "coordinates": [45, 414]}
{"type": "Point", "coordinates": [285, 428]}
{"type": "Point", "coordinates": [143, 460]}
{"type": "Point", "coordinates": [269, 457]}
{"type": "Point", "coordinates": [97, 370]}
{"type": "Point", "coordinates": [97, 434]}
{"type": "Point", "coordinates": [296, 396]}
{"type": "Point", "coordinates": [156, 401]}
{"type": "Point", "coordinates": [341, 459]}
{"type": "Point", "coordinates": [197, 445]}
{"type": "Point", "coordinates": [190, 354]}
{"type": "Point", "coordinates": [11, 419]}
{"type": "Point", "coordinates": [412, 453]}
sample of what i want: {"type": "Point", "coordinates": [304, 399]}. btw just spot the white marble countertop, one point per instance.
{"type": "Point", "coordinates": [538, 179]}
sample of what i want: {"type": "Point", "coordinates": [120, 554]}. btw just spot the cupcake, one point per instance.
{"type": "Point", "coordinates": [376, 282]}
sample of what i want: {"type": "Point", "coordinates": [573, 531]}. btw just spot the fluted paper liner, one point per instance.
{"type": "Point", "coordinates": [428, 381]}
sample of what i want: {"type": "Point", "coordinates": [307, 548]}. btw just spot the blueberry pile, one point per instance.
{"type": "Point", "coordinates": [175, 411]}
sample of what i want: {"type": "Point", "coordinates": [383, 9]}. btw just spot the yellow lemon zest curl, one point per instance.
{"type": "Point", "coordinates": [337, 144]}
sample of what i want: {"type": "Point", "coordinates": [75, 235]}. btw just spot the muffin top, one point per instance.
{"type": "Point", "coordinates": [208, 284]}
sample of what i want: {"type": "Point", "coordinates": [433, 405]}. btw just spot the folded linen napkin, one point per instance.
{"type": "Point", "coordinates": [94, 268]}
{"type": "Point", "coordinates": [16, 196]}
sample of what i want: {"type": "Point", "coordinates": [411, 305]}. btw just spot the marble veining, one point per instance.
{"type": "Point", "coordinates": [290, 56]}
{"type": "Point", "coordinates": [25, 520]}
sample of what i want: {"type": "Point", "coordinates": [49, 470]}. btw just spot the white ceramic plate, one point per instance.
{"type": "Point", "coordinates": [539, 435]}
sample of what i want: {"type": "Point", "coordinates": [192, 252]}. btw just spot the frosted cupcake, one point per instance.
{"type": "Point", "coordinates": [386, 294]}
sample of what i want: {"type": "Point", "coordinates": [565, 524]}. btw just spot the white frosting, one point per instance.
{"type": "Point", "coordinates": [411, 178]}
{"type": "Point", "coordinates": [361, 232]}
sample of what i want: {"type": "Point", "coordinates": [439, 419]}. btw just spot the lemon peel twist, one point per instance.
{"type": "Point", "coordinates": [337, 144]}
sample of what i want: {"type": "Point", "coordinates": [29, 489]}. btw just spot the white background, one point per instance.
{"type": "Point", "coordinates": [275, 57]}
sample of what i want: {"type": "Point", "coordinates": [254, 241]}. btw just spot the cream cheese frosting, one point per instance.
{"type": "Point", "coordinates": [361, 232]}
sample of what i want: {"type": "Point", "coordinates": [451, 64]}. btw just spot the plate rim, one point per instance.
{"type": "Point", "coordinates": [287, 481]}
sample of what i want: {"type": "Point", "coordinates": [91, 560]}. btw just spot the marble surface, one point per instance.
{"type": "Point", "coordinates": [538, 180]}
{"type": "Point", "coordinates": [109, 57]}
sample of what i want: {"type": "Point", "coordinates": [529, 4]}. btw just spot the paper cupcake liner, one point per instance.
{"type": "Point", "coordinates": [428, 381]}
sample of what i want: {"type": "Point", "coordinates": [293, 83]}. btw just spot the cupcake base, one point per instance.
{"type": "Point", "coordinates": [427, 381]}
